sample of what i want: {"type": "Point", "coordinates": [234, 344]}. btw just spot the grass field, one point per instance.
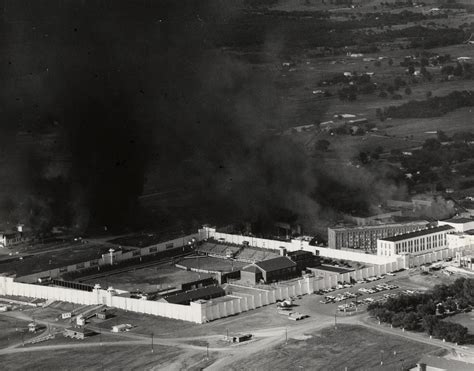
{"type": "Point", "coordinates": [149, 279]}
{"type": "Point", "coordinates": [12, 330]}
{"type": "Point", "coordinates": [96, 358]}
{"type": "Point", "coordinates": [465, 319]}
{"type": "Point", "coordinates": [353, 347]}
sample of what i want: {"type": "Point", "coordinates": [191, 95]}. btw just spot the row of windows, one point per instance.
{"type": "Point", "coordinates": [414, 245]}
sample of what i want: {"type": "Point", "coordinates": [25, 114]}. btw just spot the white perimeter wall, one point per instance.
{"type": "Point", "coordinates": [200, 312]}
{"type": "Point", "coordinates": [295, 245]}
{"type": "Point", "coordinates": [191, 313]}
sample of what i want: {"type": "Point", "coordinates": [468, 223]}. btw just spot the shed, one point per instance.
{"type": "Point", "coordinates": [77, 333]}
{"type": "Point", "coordinates": [33, 327]}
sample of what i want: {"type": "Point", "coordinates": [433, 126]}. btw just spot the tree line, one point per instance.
{"type": "Point", "coordinates": [431, 107]}
{"type": "Point", "coordinates": [425, 311]}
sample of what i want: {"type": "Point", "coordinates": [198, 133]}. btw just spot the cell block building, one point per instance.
{"type": "Point", "coordinates": [415, 243]}
{"type": "Point", "coordinates": [365, 237]}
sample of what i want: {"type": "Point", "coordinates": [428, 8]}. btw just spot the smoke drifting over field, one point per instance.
{"type": "Point", "coordinates": [117, 91]}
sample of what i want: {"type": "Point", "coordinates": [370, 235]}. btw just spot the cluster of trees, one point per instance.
{"type": "Point", "coordinates": [393, 90]}
{"type": "Point", "coordinates": [423, 312]}
{"type": "Point", "coordinates": [431, 107]}
{"type": "Point", "coordinates": [360, 84]}
{"type": "Point", "coordinates": [432, 38]}
{"type": "Point", "coordinates": [433, 162]}
{"type": "Point", "coordinates": [365, 157]}
{"type": "Point", "coordinates": [463, 70]}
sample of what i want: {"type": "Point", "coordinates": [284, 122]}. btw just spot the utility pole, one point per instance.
{"type": "Point", "coordinates": [152, 349]}
{"type": "Point", "coordinates": [207, 351]}
{"type": "Point", "coordinates": [335, 320]}
{"type": "Point", "coordinates": [286, 335]}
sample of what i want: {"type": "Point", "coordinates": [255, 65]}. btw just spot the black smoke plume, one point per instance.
{"type": "Point", "coordinates": [103, 98]}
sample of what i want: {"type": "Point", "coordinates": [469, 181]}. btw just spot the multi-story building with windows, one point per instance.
{"type": "Point", "coordinates": [365, 237]}
{"type": "Point", "coordinates": [415, 243]}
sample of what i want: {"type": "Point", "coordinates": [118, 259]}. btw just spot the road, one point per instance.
{"type": "Point", "coordinates": [225, 355]}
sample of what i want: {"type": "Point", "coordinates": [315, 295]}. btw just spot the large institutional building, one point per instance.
{"type": "Point", "coordinates": [415, 243]}
{"type": "Point", "coordinates": [365, 237]}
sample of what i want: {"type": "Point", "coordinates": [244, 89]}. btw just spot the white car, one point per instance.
{"type": "Point", "coordinates": [391, 274]}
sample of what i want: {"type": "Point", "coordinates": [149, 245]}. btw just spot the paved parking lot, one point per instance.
{"type": "Point", "coordinates": [317, 302]}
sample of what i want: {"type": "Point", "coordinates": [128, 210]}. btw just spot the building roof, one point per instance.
{"type": "Point", "coordinates": [196, 294]}
{"type": "Point", "coordinates": [378, 226]}
{"type": "Point", "coordinates": [251, 268]}
{"type": "Point", "coordinates": [77, 329]}
{"type": "Point", "coordinates": [281, 262]}
{"type": "Point", "coordinates": [423, 232]}
{"type": "Point", "coordinates": [331, 268]}
{"type": "Point", "coordinates": [300, 252]}
{"type": "Point", "coordinates": [458, 220]}
{"type": "Point", "coordinates": [445, 364]}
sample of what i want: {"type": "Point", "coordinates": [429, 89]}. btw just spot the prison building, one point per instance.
{"type": "Point", "coordinates": [415, 243]}
{"type": "Point", "coordinates": [280, 268]}
{"type": "Point", "coordinates": [365, 237]}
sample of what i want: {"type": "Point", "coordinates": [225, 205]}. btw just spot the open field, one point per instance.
{"type": "Point", "coordinates": [465, 319]}
{"type": "Point", "coordinates": [334, 349]}
{"type": "Point", "coordinates": [150, 278]}
{"type": "Point", "coordinates": [12, 330]}
{"type": "Point", "coordinates": [94, 358]}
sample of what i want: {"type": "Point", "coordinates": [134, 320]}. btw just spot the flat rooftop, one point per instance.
{"type": "Point", "coordinates": [332, 268]}
{"type": "Point", "coordinates": [458, 220]}
{"type": "Point", "coordinates": [385, 225]}
{"type": "Point", "coordinates": [423, 232]}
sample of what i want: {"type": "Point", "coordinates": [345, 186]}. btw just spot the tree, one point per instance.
{"type": "Point", "coordinates": [322, 145]}
{"type": "Point", "coordinates": [468, 291]}
{"type": "Point", "coordinates": [432, 144]}
{"type": "Point", "coordinates": [429, 94]}
{"type": "Point", "coordinates": [458, 70]}
{"type": "Point", "coordinates": [410, 321]}
{"type": "Point", "coordinates": [429, 323]}
{"type": "Point", "coordinates": [363, 157]}
{"type": "Point", "coordinates": [411, 69]}
{"type": "Point", "coordinates": [407, 90]}
{"type": "Point", "coordinates": [442, 137]}
{"type": "Point", "coordinates": [390, 61]}
{"type": "Point", "coordinates": [378, 150]}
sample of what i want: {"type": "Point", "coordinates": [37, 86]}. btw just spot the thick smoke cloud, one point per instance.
{"type": "Point", "coordinates": [113, 95]}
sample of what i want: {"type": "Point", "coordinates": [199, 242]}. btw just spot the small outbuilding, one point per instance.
{"type": "Point", "coordinates": [79, 333]}
{"type": "Point", "coordinates": [33, 327]}
{"type": "Point", "coordinates": [103, 315]}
